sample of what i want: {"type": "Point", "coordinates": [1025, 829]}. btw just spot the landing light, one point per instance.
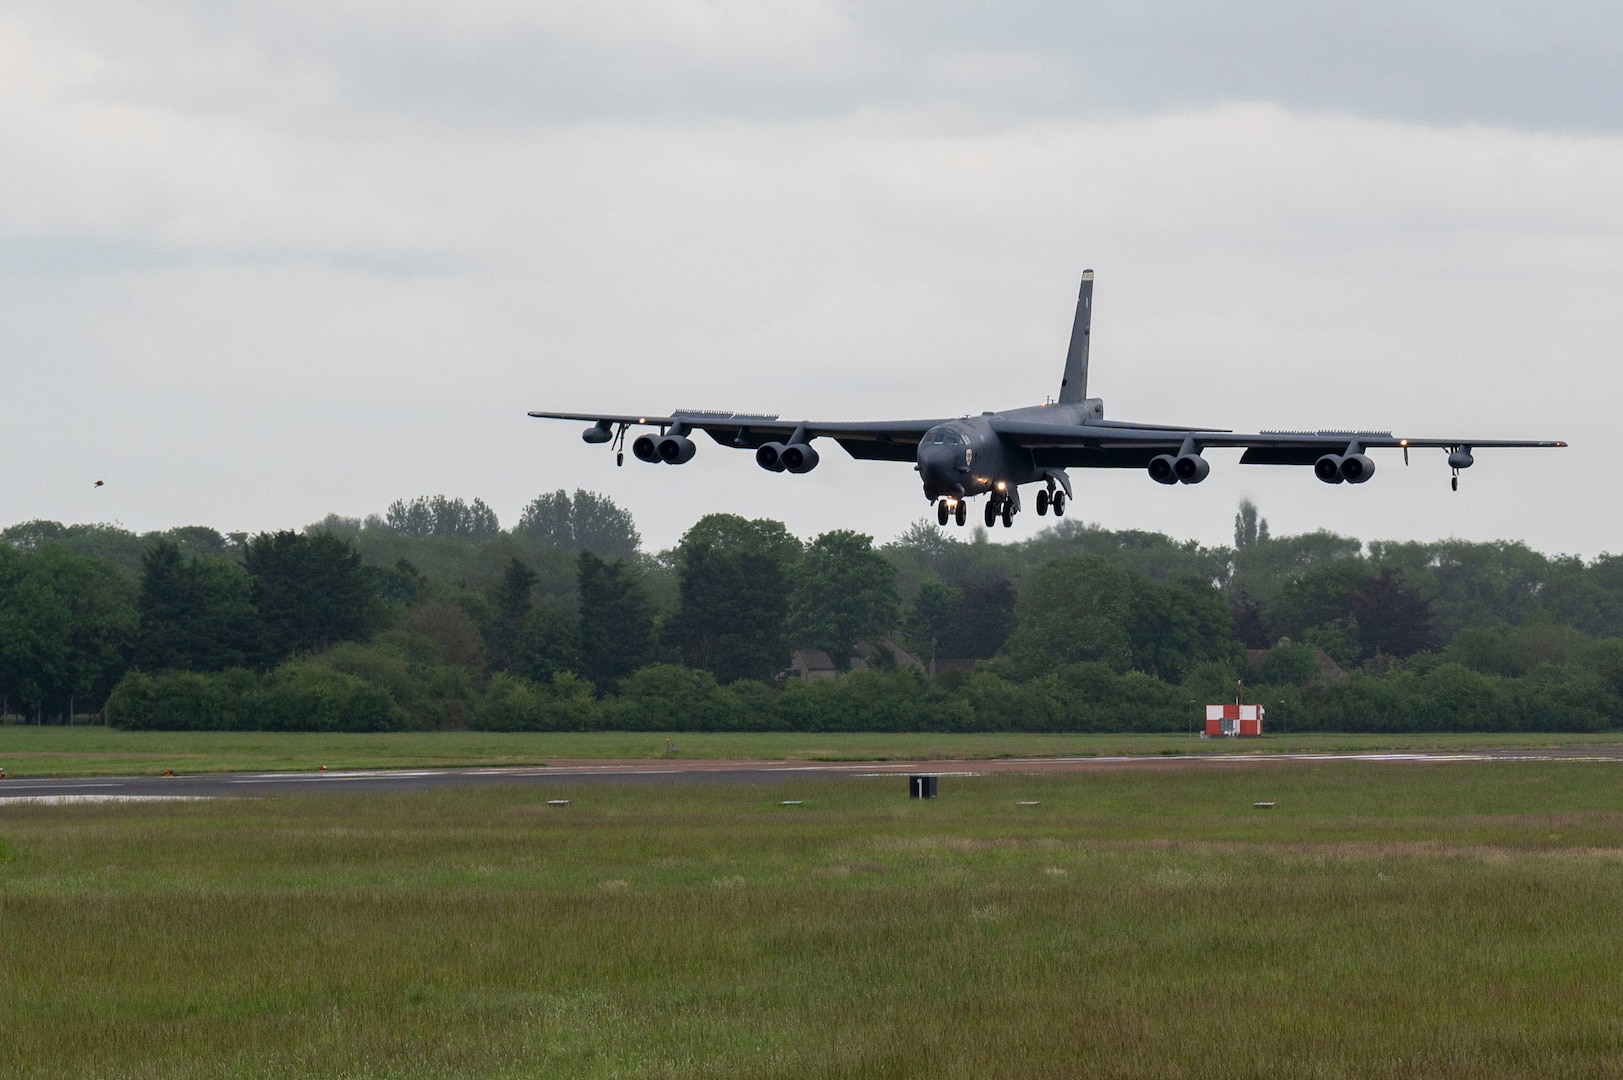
{"type": "Point", "coordinates": [1001, 486]}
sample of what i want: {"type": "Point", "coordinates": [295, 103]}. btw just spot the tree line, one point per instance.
{"type": "Point", "coordinates": [433, 616]}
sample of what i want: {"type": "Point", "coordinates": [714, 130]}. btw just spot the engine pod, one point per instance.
{"type": "Point", "coordinates": [798, 458]}
{"type": "Point", "coordinates": [1357, 468]}
{"type": "Point", "coordinates": [676, 449]}
{"type": "Point", "coordinates": [1192, 468]}
{"type": "Point", "coordinates": [646, 448]}
{"type": "Point", "coordinates": [769, 456]}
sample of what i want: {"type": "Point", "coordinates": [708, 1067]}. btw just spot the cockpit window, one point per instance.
{"type": "Point", "coordinates": [943, 436]}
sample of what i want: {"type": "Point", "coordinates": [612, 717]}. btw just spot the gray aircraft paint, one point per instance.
{"type": "Point", "coordinates": [995, 453]}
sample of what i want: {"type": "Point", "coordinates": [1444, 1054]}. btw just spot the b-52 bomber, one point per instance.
{"type": "Point", "coordinates": [996, 453]}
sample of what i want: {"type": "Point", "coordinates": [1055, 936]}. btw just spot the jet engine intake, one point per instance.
{"type": "Point", "coordinates": [1164, 469]}
{"type": "Point", "coordinates": [676, 449]}
{"type": "Point", "coordinates": [1328, 469]}
{"type": "Point", "coordinates": [646, 448]}
{"type": "Point", "coordinates": [598, 433]}
{"type": "Point", "coordinates": [769, 456]}
{"type": "Point", "coordinates": [1191, 468]}
{"type": "Point", "coordinates": [1356, 468]}
{"type": "Point", "coordinates": [798, 458]}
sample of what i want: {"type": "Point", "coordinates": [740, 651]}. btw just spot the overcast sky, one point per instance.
{"type": "Point", "coordinates": [260, 262]}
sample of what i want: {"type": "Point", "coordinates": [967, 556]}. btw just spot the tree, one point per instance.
{"type": "Point", "coordinates": [513, 604]}
{"type": "Point", "coordinates": [549, 645]}
{"type": "Point", "coordinates": [33, 632]}
{"type": "Point", "coordinates": [1320, 595]}
{"type": "Point", "coordinates": [194, 614]}
{"type": "Point", "coordinates": [935, 611]}
{"type": "Point", "coordinates": [308, 590]}
{"type": "Point", "coordinates": [969, 623]}
{"type": "Point", "coordinates": [1248, 622]}
{"type": "Point", "coordinates": [616, 625]}
{"type": "Point", "coordinates": [846, 591]}
{"type": "Point", "coordinates": [65, 626]}
{"type": "Point", "coordinates": [101, 607]}
{"type": "Point", "coordinates": [1392, 618]}
{"type": "Point", "coordinates": [1249, 528]}
{"type": "Point", "coordinates": [586, 522]}
{"type": "Point", "coordinates": [439, 516]}
{"type": "Point", "coordinates": [1174, 629]}
{"type": "Point", "coordinates": [1069, 611]}
{"type": "Point", "coordinates": [735, 578]}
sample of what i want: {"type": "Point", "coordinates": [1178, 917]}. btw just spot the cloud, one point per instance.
{"type": "Point", "coordinates": [510, 64]}
{"type": "Point", "coordinates": [251, 280]}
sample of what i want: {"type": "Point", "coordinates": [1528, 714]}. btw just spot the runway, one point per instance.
{"type": "Point", "coordinates": [249, 785]}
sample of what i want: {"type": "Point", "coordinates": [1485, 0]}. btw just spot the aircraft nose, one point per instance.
{"type": "Point", "coordinates": [936, 467]}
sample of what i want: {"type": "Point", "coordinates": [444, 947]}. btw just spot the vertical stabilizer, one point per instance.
{"type": "Point", "coordinates": [1073, 387]}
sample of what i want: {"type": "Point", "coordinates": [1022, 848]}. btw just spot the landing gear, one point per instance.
{"type": "Point", "coordinates": [1042, 503]}
{"type": "Point", "coordinates": [991, 513]}
{"type": "Point", "coordinates": [1059, 504]}
{"type": "Point", "coordinates": [1008, 513]}
{"type": "Point", "coordinates": [950, 510]}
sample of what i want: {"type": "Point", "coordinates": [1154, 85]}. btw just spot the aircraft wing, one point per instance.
{"type": "Point", "coordinates": [1123, 445]}
{"type": "Point", "coordinates": [869, 440]}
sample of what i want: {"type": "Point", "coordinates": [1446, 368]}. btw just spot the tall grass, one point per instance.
{"type": "Point", "coordinates": [1449, 920]}
{"type": "Point", "coordinates": [60, 751]}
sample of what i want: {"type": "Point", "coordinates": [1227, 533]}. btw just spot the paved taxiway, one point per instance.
{"type": "Point", "coordinates": [238, 785]}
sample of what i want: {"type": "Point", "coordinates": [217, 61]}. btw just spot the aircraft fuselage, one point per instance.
{"type": "Point", "coordinates": [962, 458]}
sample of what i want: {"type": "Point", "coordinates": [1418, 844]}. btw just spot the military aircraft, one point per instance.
{"type": "Point", "coordinates": [995, 453]}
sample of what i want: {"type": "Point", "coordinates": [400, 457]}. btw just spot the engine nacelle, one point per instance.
{"type": "Point", "coordinates": [676, 449]}
{"type": "Point", "coordinates": [597, 433]}
{"type": "Point", "coordinates": [769, 456]}
{"type": "Point", "coordinates": [1191, 468]}
{"type": "Point", "coordinates": [798, 458]}
{"type": "Point", "coordinates": [1460, 459]}
{"type": "Point", "coordinates": [1164, 469]}
{"type": "Point", "coordinates": [646, 448]}
{"type": "Point", "coordinates": [1356, 468]}
{"type": "Point", "coordinates": [1328, 469]}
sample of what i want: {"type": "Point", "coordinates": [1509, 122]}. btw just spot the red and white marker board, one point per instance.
{"type": "Point", "coordinates": [1233, 720]}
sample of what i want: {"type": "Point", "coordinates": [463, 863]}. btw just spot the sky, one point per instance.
{"type": "Point", "coordinates": [261, 262]}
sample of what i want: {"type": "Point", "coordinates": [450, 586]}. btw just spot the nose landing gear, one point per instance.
{"type": "Point", "coordinates": [956, 509]}
{"type": "Point", "coordinates": [999, 505]}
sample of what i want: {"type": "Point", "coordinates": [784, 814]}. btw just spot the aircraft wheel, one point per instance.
{"type": "Point", "coordinates": [960, 513]}
{"type": "Point", "coordinates": [1059, 504]}
{"type": "Point", "coordinates": [1008, 514]}
{"type": "Point", "coordinates": [1042, 502]}
{"type": "Point", "coordinates": [991, 513]}
{"type": "Point", "coordinates": [941, 511]}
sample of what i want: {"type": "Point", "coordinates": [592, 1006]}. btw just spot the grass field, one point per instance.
{"type": "Point", "coordinates": [92, 751]}
{"type": "Point", "coordinates": [1437, 920]}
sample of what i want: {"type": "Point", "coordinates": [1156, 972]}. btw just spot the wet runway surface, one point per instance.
{"type": "Point", "coordinates": [239, 785]}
